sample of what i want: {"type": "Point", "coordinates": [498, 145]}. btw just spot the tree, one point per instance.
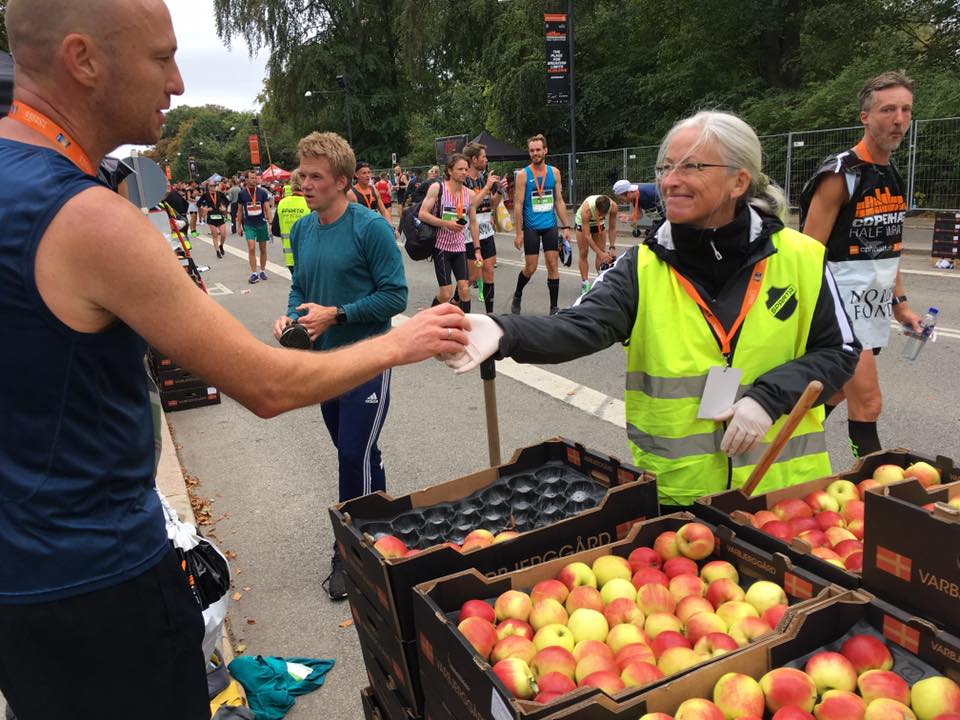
{"type": "Point", "coordinates": [4, 40]}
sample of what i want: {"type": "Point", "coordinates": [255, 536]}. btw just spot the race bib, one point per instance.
{"type": "Point", "coordinates": [254, 209]}
{"type": "Point", "coordinates": [542, 203]}
{"type": "Point", "coordinates": [485, 224]}
{"type": "Point", "coordinates": [216, 216]}
{"type": "Point", "coordinates": [449, 213]}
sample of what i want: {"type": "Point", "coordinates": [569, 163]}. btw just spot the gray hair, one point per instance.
{"type": "Point", "coordinates": [738, 146]}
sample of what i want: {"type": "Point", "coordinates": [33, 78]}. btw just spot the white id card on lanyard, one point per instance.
{"type": "Point", "coordinates": [720, 392]}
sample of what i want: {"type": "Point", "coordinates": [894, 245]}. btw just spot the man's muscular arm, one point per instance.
{"type": "Point", "coordinates": [829, 197]}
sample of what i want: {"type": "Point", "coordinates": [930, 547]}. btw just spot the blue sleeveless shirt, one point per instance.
{"type": "Point", "coordinates": [538, 210]}
{"type": "Point", "coordinates": [78, 511]}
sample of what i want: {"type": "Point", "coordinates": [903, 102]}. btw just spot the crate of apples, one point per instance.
{"type": "Point", "coordinates": [620, 623]}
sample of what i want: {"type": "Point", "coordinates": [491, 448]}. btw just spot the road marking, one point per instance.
{"type": "Point", "coordinates": [271, 266]}
{"type": "Point", "coordinates": [219, 289]}
{"type": "Point", "coordinates": [951, 333]}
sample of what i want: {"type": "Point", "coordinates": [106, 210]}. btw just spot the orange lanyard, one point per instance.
{"type": "Point", "coordinates": [36, 120]}
{"type": "Point", "coordinates": [369, 200]}
{"type": "Point", "coordinates": [543, 181]}
{"type": "Point", "coordinates": [457, 201]}
{"type": "Point", "coordinates": [753, 292]}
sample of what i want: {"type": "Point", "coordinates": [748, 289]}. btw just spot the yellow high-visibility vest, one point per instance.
{"type": "Point", "coordinates": [289, 210]}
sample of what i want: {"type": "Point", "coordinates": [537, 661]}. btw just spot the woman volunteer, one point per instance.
{"type": "Point", "coordinates": [455, 201]}
{"type": "Point", "coordinates": [726, 315]}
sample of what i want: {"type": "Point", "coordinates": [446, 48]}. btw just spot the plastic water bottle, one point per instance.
{"type": "Point", "coordinates": [914, 342]}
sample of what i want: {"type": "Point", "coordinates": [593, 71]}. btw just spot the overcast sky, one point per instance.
{"type": "Point", "coordinates": [212, 74]}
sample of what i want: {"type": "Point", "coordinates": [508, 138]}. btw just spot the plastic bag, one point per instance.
{"type": "Point", "coordinates": [503, 220]}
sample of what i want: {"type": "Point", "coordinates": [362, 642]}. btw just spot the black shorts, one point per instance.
{"type": "Point", "coordinates": [532, 238]}
{"type": "Point", "coordinates": [488, 248]}
{"type": "Point", "coordinates": [55, 655]}
{"type": "Point", "coordinates": [445, 262]}
{"type": "Point", "coordinates": [216, 223]}
{"type": "Point", "coordinates": [594, 229]}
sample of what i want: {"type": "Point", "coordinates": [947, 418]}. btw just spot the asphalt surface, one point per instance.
{"type": "Point", "coordinates": [270, 482]}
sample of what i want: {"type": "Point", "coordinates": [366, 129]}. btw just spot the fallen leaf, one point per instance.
{"type": "Point", "coordinates": [251, 621]}
{"type": "Point", "coordinates": [231, 555]}
{"type": "Point", "coordinates": [346, 623]}
{"type": "Point", "coordinates": [236, 596]}
{"type": "Point", "coordinates": [246, 588]}
{"type": "Point", "coordinates": [239, 649]}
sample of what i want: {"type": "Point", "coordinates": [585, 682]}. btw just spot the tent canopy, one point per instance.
{"type": "Point", "coordinates": [273, 172]}
{"type": "Point", "coordinates": [498, 149]}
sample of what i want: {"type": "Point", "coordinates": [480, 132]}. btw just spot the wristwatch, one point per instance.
{"type": "Point", "coordinates": [897, 299]}
{"type": "Point", "coordinates": [341, 316]}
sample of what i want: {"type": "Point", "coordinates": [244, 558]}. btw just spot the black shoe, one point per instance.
{"type": "Point", "coordinates": [554, 310]}
{"type": "Point", "coordinates": [336, 582]}
{"type": "Point", "coordinates": [515, 306]}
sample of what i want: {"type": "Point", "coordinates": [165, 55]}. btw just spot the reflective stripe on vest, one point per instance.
{"type": "Point", "coordinates": [289, 210]}
{"type": "Point", "coordinates": [670, 352]}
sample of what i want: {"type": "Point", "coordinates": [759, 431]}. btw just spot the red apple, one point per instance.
{"type": "Point", "coordinates": [576, 574]}
{"type": "Point", "coordinates": [516, 676]}
{"type": "Point", "coordinates": [504, 536]}
{"type": "Point", "coordinates": [655, 599]}
{"type": "Point", "coordinates": [480, 633]}
{"type": "Point", "coordinates": [513, 646]}
{"type": "Point", "coordinates": [840, 705]}
{"type": "Point", "coordinates": [866, 652]}
{"type": "Point", "coordinates": [718, 570]}
{"type": "Point", "coordinates": [852, 510]}
{"type": "Point", "coordinates": [819, 501]}
{"type": "Point", "coordinates": [594, 663]}
{"type": "Point", "coordinates": [553, 659]}
{"type": "Point", "coordinates": [477, 608]}
{"type": "Point", "coordinates": [690, 606]}
{"type": "Point", "coordinates": [514, 627]}
{"type": "Point", "coordinates": [831, 671]}
{"type": "Point", "coordinates": [772, 615]}
{"type": "Point", "coordinates": [778, 529]}
{"type": "Point", "coordinates": [738, 696]}
{"type": "Point", "coordinates": [934, 696]}
{"type": "Point", "coordinates": [924, 472]}
{"type": "Point", "coordinates": [695, 541]}
{"type": "Point", "coordinates": [792, 713]}
{"type": "Point", "coordinates": [636, 652]}
{"type": "Point", "coordinates": [623, 610]}
{"type": "Point", "coordinates": [546, 697]}
{"type": "Point", "coordinates": [698, 709]}
{"type": "Point", "coordinates": [748, 629]}
{"type": "Point", "coordinates": [875, 684]}
{"type": "Point", "coordinates": [638, 674]}
{"type": "Point", "coordinates": [864, 485]}
{"type": "Point", "coordinates": [643, 557]}
{"type": "Point", "coordinates": [477, 539]}
{"type": "Point", "coordinates": [802, 524]}
{"type": "Point", "coordinates": [583, 596]}
{"type": "Point", "coordinates": [845, 547]}
{"type": "Point", "coordinates": [724, 590]}
{"type": "Point", "coordinates": [390, 547]}
{"type": "Point", "coordinates": [854, 562]}
{"type": "Point", "coordinates": [837, 535]}
{"type": "Point", "coordinates": [887, 709]}
{"type": "Point", "coordinates": [680, 566]}
{"type": "Point", "coordinates": [647, 576]}
{"type": "Point", "coordinates": [668, 639]}
{"type": "Point", "coordinates": [788, 687]}
{"type": "Point", "coordinates": [828, 519]}
{"type": "Point", "coordinates": [553, 589]}
{"type": "Point", "coordinates": [703, 624]}
{"type": "Point", "coordinates": [554, 682]}
{"type": "Point", "coordinates": [714, 644]}
{"type": "Point", "coordinates": [762, 517]}
{"type": "Point", "coordinates": [814, 538]}
{"type": "Point", "coordinates": [856, 527]}
{"type": "Point", "coordinates": [666, 545]}
{"type": "Point", "coordinates": [513, 604]}
{"type": "Point", "coordinates": [591, 647]}
{"type": "Point", "coordinates": [547, 612]}
{"type": "Point", "coordinates": [792, 508]}
{"type": "Point", "coordinates": [606, 680]}
{"type": "Point", "coordinates": [684, 585]}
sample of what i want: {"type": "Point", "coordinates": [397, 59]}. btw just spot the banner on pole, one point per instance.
{"type": "Point", "coordinates": [254, 150]}
{"type": "Point", "coordinates": [558, 58]}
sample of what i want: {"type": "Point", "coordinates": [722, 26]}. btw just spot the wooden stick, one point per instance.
{"type": "Point", "coordinates": [773, 451]}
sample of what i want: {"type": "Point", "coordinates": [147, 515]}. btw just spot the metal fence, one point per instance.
{"type": "Point", "coordinates": [928, 159]}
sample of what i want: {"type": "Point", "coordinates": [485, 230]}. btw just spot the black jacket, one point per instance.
{"type": "Point", "coordinates": [606, 314]}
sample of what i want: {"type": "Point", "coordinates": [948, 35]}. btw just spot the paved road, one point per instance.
{"type": "Point", "coordinates": [271, 482]}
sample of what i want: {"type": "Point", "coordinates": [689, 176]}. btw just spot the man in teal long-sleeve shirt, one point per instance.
{"type": "Point", "coordinates": [348, 282]}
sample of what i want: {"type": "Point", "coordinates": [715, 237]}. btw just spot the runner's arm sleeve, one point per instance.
{"type": "Point", "coordinates": [297, 296]}
{"type": "Point", "coordinates": [600, 318]}
{"type": "Point", "coordinates": [386, 268]}
{"type": "Point", "coordinates": [831, 357]}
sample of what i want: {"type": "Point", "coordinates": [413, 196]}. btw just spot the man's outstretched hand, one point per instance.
{"type": "Point", "coordinates": [439, 331]}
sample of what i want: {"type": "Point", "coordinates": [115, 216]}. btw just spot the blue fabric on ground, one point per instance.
{"type": "Point", "coordinates": [271, 690]}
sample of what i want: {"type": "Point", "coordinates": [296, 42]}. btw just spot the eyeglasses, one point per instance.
{"type": "Point", "coordinates": [685, 169]}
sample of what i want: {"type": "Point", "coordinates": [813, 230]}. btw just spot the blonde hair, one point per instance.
{"type": "Point", "coordinates": [295, 181]}
{"type": "Point", "coordinates": [738, 146]}
{"type": "Point", "coordinates": [343, 163]}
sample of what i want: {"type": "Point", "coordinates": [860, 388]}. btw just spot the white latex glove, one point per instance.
{"type": "Point", "coordinates": [749, 422]}
{"type": "Point", "coordinates": [483, 341]}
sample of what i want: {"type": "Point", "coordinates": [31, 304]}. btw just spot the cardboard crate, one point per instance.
{"type": "Point", "coordinates": [729, 508]}
{"type": "Point", "coordinates": [386, 693]}
{"type": "Point", "coordinates": [918, 570]}
{"type": "Point", "coordinates": [457, 675]}
{"type": "Point", "coordinates": [179, 379]}
{"type": "Point", "coordinates": [184, 399]}
{"type": "Point", "coordinates": [160, 363]}
{"type": "Point", "coordinates": [384, 653]}
{"type": "Point", "coordinates": [631, 497]}
{"type": "Point", "coordinates": [371, 711]}
{"type": "Point", "coordinates": [919, 648]}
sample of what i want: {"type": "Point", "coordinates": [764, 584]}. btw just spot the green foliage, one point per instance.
{"type": "Point", "coordinates": [215, 136]}
{"type": "Point", "coordinates": [4, 41]}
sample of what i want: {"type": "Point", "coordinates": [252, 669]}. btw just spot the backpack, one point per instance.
{"type": "Point", "coordinates": [419, 239]}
